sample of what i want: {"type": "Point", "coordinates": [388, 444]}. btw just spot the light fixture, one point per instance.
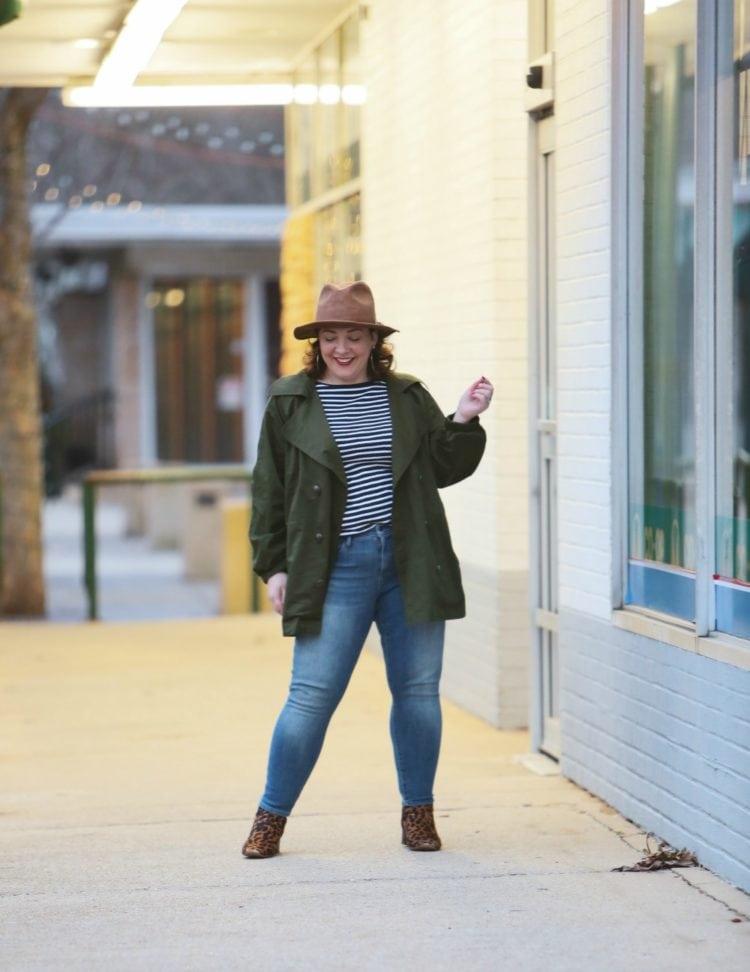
{"type": "Point", "coordinates": [210, 95]}
{"type": "Point", "coordinates": [135, 44]}
{"type": "Point", "coordinates": [354, 94]}
{"type": "Point", "coordinates": [651, 6]}
{"type": "Point", "coordinates": [174, 297]}
{"type": "Point", "coordinates": [305, 94]}
{"type": "Point", "coordinates": [329, 94]}
{"type": "Point", "coordinates": [87, 43]}
{"type": "Point", "coordinates": [178, 95]}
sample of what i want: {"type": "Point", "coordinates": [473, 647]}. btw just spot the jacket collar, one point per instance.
{"type": "Point", "coordinates": [304, 385]}
{"type": "Point", "coordinates": [307, 428]}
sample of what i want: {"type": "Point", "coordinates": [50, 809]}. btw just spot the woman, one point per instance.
{"type": "Point", "coordinates": [348, 528]}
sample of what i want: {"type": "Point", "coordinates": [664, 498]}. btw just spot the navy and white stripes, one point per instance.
{"type": "Point", "coordinates": [360, 421]}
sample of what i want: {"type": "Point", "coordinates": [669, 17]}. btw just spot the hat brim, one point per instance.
{"type": "Point", "coordinates": [311, 330]}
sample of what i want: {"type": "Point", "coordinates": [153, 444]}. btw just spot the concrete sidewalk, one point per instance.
{"type": "Point", "coordinates": [132, 759]}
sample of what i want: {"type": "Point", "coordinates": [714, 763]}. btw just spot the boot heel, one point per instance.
{"type": "Point", "coordinates": [418, 831]}
{"type": "Point", "coordinates": [265, 835]}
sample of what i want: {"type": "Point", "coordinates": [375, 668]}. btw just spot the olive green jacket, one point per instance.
{"type": "Point", "coordinates": [299, 494]}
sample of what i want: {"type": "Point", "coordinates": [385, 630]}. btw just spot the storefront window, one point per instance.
{"type": "Point", "coordinates": [733, 300]}
{"type": "Point", "coordinates": [324, 123]}
{"type": "Point", "coordinates": [300, 136]}
{"type": "Point", "coordinates": [198, 328]}
{"type": "Point", "coordinates": [661, 405]}
{"type": "Point", "coordinates": [327, 113]}
{"type": "Point", "coordinates": [324, 166]}
{"type": "Point", "coordinates": [337, 230]}
{"type": "Point", "coordinates": [351, 80]}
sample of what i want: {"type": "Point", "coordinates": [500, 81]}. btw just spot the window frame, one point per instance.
{"type": "Point", "coordinates": [672, 592]}
{"type": "Point", "coordinates": [712, 308]}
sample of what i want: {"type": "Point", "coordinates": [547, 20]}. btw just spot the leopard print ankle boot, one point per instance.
{"type": "Point", "coordinates": [265, 835]}
{"type": "Point", "coordinates": [418, 829]}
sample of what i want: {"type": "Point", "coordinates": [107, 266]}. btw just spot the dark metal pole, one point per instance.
{"type": "Point", "coordinates": [89, 547]}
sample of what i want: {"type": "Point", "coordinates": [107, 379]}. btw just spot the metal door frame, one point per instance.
{"type": "Point", "coordinates": [545, 692]}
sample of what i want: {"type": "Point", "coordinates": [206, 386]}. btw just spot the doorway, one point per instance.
{"type": "Point", "coordinates": [199, 369]}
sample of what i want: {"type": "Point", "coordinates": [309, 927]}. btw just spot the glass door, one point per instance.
{"type": "Point", "coordinates": [198, 345]}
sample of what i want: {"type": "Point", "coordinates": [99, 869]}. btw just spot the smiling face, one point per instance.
{"type": "Point", "coordinates": [345, 352]}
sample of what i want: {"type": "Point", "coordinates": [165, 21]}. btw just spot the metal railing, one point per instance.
{"type": "Point", "coordinates": [77, 437]}
{"type": "Point", "coordinates": [129, 477]}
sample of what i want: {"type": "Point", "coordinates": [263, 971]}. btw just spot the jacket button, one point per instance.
{"type": "Point", "coordinates": [438, 568]}
{"type": "Point", "coordinates": [316, 489]}
{"type": "Point", "coordinates": [319, 582]}
{"type": "Point", "coordinates": [318, 537]}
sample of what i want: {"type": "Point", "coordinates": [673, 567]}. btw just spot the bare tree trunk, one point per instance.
{"type": "Point", "coordinates": [21, 470]}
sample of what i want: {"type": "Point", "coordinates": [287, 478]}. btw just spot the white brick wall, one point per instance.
{"type": "Point", "coordinates": [583, 304]}
{"type": "Point", "coordinates": [658, 731]}
{"type": "Point", "coordinates": [444, 225]}
{"type": "Point", "coordinates": [663, 735]}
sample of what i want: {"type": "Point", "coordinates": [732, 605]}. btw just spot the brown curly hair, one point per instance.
{"type": "Point", "coordinates": [379, 364]}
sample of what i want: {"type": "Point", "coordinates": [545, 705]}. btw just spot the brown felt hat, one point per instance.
{"type": "Point", "coordinates": [344, 305]}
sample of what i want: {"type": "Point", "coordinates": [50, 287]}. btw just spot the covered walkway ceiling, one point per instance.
{"type": "Point", "coordinates": [57, 43]}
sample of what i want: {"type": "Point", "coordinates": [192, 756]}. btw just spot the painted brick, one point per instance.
{"type": "Point", "coordinates": [444, 227]}
{"type": "Point", "coordinates": [662, 734]}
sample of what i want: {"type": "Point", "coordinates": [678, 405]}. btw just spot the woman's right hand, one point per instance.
{"type": "Point", "coordinates": [277, 591]}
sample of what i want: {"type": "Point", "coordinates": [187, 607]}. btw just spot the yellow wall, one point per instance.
{"type": "Point", "coordinates": [298, 295]}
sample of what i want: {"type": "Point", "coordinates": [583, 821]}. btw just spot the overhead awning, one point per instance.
{"type": "Point", "coordinates": [58, 43]}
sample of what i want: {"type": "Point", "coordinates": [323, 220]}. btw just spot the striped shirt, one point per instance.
{"type": "Point", "coordinates": [360, 422]}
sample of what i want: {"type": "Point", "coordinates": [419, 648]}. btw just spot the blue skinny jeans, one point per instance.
{"type": "Point", "coordinates": [363, 588]}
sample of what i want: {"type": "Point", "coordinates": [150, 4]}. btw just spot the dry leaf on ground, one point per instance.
{"type": "Point", "coordinates": [662, 859]}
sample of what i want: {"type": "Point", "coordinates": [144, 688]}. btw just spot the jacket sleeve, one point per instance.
{"type": "Point", "coordinates": [455, 447]}
{"type": "Point", "coordinates": [268, 521]}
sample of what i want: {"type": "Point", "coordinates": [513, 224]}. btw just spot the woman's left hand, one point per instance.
{"type": "Point", "coordinates": [474, 400]}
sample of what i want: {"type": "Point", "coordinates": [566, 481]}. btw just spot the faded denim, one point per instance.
{"type": "Point", "coordinates": [363, 588]}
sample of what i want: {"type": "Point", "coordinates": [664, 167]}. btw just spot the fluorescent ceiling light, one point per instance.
{"type": "Point", "coordinates": [329, 94]}
{"type": "Point", "coordinates": [134, 46]}
{"type": "Point", "coordinates": [305, 94]}
{"type": "Point", "coordinates": [210, 95]}
{"type": "Point", "coordinates": [354, 94]}
{"type": "Point", "coordinates": [178, 95]}
{"type": "Point", "coordinates": [651, 6]}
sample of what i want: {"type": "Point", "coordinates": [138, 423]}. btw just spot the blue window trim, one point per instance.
{"type": "Point", "coordinates": [661, 587]}
{"type": "Point", "coordinates": [732, 606]}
